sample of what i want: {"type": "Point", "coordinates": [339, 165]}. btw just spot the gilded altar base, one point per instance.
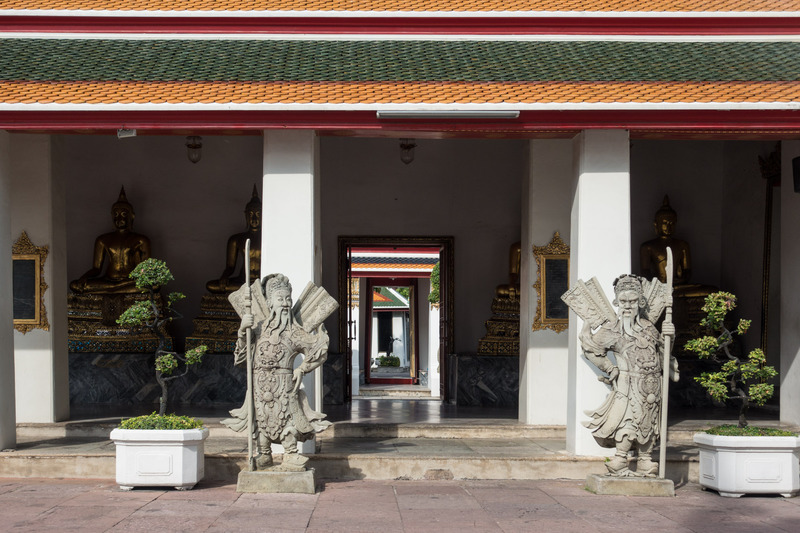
{"type": "Point", "coordinates": [502, 330]}
{"type": "Point", "coordinates": [216, 326]}
{"type": "Point", "coordinates": [92, 325]}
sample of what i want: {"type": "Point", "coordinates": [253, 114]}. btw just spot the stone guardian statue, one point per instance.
{"type": "Point", "coordinates": [628, 349]}
{"type": "Point", "coordinates": [280, 412]}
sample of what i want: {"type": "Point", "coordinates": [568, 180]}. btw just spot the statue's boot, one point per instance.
{"type": "Point", "coordinates": [646, 467]}
{"type": "Point", "coordinates": [264, 460]}
{"type": "Point", "coordinates": [617, 465]}
{"type": "Point", "coordinates": [294, 461]}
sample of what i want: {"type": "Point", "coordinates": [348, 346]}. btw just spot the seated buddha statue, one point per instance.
{"type": "Point", "coordinates": [228, 282]}
{"type": "Point", "coordinates": [511, 290]}
{"type": "Point", "coordinates": [653, 255]}
{"type": "Point", "coordinates": [116, 254]}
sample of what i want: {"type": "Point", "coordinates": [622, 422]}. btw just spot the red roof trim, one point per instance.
{"type": "Point", "coordinates": [521, 25]}
{"type": "Point", "coordinates": [529, 123]}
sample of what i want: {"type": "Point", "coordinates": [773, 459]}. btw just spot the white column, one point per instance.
{"type": "Point", "coordinates": [39, 209]}
{"type": "Point", "coordinates": [290, 235]}
{"type": "Point", "coordinates": [546, 200]}
{"type": "Point", "coordinates": [8, 421]}
{"type": "Point", "coordinates": [600, 246]}
{"type": "Point", "coordinates": [790, 285]}
{"type": "Point", "coordinates": [433, 349]}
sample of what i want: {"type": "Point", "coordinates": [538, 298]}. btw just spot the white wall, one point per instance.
{"type": "Point", "coordinates": [8, 430]}
{"type": "Point", "coordinates": [466, 188]}
{"type": "Point", "coordinates": [546, 199]}
{"type": "Point", "coordinates": [38, 208]}
{"type": "Point", "coordinates": [790, 286]}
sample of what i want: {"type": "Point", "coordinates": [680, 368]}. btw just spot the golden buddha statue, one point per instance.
{"type": "Point", "coordinates": [511, 290]}
{"type": "Point", "coordinates": [653, 253]}
{"type": "Point", "coordinates": [120, 251]}
{"type": "Point", "coordinates": [227, 282]}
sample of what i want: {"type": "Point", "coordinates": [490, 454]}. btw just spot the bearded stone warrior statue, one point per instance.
{"type": "Point", "coordinates": [281, 412]}
{"type": "Point", "coordinates": [626, 346]}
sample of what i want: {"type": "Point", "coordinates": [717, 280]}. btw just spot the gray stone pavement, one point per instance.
{"type": "Point", "coordinates": [561, 506]}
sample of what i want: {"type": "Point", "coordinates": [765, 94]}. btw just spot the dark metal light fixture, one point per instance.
{"type": "Point", "coordinates": [407, 150]}
{"type": "Point", "coordinates": [193, 145]}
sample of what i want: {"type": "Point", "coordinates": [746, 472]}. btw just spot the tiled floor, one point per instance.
{"type": "Point", "coordinates": [387, 506]}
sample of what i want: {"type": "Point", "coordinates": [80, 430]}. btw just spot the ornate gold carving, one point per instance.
{"type": "Point", "coordinates": [555, 250]}
{"type": "Point", "coordinates": [24, 250]}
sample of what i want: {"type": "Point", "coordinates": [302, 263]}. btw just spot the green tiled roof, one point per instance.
{"type": "Point", "coordinates": [360, 61]}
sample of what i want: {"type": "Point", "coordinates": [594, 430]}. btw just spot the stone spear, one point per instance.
{"type": "Point", "coordinates": [248, 309]}
{"type": "Point", "coordinates": [662, 459]}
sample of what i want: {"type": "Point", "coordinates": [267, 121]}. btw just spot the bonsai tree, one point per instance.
{"type": "Point", "coordinates": [150, 275]}
{"type": "Point", "coordinates": [739, 379]}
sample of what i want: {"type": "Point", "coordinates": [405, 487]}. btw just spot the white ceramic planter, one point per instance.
{"type": "Point", "coordinates": [152, 457]}
{"type": "Point", "coordinates": [734, 466]}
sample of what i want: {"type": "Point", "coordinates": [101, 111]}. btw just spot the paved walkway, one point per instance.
{"type": "Point", "coordinates": [32, 505]}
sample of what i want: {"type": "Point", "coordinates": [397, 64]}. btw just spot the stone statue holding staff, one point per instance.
{"type": "Point", "coordinates": [276, 409]}
{"type": "Point", "coordinates": [628, 349]}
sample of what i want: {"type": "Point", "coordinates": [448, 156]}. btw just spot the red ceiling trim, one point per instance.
{"type": "Point", "coordinates": [519, 25]}
{"type": "Point", "coordinates": [529, 123]}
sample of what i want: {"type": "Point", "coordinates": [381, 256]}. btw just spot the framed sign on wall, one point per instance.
{"type": "Point", "coordinates": [552, 261]}
{"type": "Point", "coordinates": [29, 285]}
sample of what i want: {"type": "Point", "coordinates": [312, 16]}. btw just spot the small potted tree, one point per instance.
{"type": "Point", "coordinates": [159, 449]}
{"type": "Point", "coordinates": [736, 459]}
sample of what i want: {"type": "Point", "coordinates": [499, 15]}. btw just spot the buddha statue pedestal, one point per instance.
{"type": "Point", "coordinates": [490, 378]}
{"type": "Point", "coordinates": [92, 325]}
{"type": "Point", "coordinates": [502, 330]}
{"type": "Point", "coordinates": [216, 326]}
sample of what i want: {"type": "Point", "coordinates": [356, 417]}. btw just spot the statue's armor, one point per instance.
{"type": "Point", "coordinates": [633, 409]}
{"type": "Point", "coordinates": [273, 365]}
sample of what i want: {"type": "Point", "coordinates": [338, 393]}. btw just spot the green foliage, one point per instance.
{"type": "Point", "coordinates": [151, 274]}
{"type": "Point", "coordinates": [174, 297]}
{"type": "Point", "coordinates": [405, 292]}
{"type": "Point", "coordinates": [745, 380]}
{"type": "Point", "coordinates": [157, 421]}
{"type": "Point", "coordinates": [137, 314]}
{"type": "Point", "coordinates": [433, 297]}
{"type": "Point", "coordinates": [388, 360]}
{"type": "Point", "coordinates": [729, 430]}
{"type": "Point", "coordinates": [166, 363]}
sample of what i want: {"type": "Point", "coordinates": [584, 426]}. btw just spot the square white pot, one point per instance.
{"type": "Point", "coordinates": [734, 466]}
{"type": "Point", "coordinates": [154, 457]}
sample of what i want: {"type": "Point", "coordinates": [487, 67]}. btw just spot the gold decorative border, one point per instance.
{"type": "Point", "coordinates": [24, 249]}
{"type": "Point", "coordinates": [556, 249]}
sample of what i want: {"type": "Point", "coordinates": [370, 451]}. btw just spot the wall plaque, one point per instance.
{"type": "Point", "coordinates": [29, 285]}
{"type": "Point", "coordinates": [552, 261]}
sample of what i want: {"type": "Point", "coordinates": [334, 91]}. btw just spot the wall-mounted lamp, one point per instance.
{"type": "Point", "coordinates": [407, 150]}
{"type": "Point", "coordinates": [124, 133]}
{"type": "Point", "coordinates": [193, 145]}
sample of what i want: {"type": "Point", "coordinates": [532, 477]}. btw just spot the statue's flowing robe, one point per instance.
{"type": "Point", "coordinates": [632, 409]}
{"type": "Point", "coordinates": [280, 411]}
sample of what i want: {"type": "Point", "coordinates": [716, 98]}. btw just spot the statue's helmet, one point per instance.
{"type": "Point", "coordinates": [629, 282]}
{"type": "Point", "coordinates": [274, 283]}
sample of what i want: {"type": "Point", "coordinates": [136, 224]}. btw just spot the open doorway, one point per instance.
{"type": "Point", "coordinates": [389, 331]}
{"type": "Point", "coordinates": [392, 327]}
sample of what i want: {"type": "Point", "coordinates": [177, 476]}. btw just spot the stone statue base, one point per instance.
{"type": "Point", "coordinates": [92, 325]}
{"type": "Point", "coordinates": [216, 326]}
{"type": "Point", "coordinates": [629, 486]}
{"type": "Point", "coordinates": [270, 481]}
{"type": "Point", "coordinates": [502, 330]}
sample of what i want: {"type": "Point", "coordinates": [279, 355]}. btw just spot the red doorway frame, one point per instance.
{"type": "Point", "coordinates": [392, 282]}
